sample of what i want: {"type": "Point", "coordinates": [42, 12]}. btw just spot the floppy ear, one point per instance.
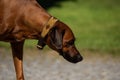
{"type": "Point", "coordinates": [56, 38]}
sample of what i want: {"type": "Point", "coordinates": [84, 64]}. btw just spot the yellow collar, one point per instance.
{"type": "Point", "coordinates": [48, 26]}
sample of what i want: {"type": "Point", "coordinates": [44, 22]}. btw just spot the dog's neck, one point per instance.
{"type": "Point", "coordinates": [48, 26]}
{"type": "Point", "coordinates": [51, 23]}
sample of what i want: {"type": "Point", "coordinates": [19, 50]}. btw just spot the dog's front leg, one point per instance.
{"type": "Point", "coordinates": [17, 51]}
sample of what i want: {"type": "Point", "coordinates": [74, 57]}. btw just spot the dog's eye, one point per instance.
{"type": "Point", "coordinates": [67, 45]}
{"type": "Point", "coordinates": [70, 43]}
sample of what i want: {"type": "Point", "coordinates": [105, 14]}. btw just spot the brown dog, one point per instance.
{"type": "Point", "coordinates": [26, 19]}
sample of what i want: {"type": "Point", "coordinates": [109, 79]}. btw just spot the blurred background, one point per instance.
{"type": "Point", "coordinates": [96, 25]}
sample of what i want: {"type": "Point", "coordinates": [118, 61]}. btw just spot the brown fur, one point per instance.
{"type": "Point", "coordinates": [25, 19]}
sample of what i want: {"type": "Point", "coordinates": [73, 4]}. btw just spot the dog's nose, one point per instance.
{"type": "Point", "coordinates": [79, 57]}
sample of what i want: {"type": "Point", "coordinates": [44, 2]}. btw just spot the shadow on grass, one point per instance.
{"type": "Point", "coordinates": [52, 3]}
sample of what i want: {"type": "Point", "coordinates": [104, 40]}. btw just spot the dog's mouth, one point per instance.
{"type": "Point", "coordinates": [75, 59]}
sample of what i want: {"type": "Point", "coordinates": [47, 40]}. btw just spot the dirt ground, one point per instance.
{"type": "Point", "coordinates": [48, 65]}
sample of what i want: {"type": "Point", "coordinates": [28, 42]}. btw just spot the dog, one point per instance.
{"type": "Point", "coordinates": [26, 19]}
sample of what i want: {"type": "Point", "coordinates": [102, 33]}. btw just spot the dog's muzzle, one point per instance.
{"type": "Point", "coordinates": [74, 59]}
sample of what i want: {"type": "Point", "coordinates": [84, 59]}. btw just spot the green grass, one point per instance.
{"type": "Point", "coordinates": [95, 23]}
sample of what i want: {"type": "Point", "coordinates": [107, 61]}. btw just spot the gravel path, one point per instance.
{"type": "Point", "coordinates": [38, 66]}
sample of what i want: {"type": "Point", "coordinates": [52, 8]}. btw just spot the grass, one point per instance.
{"type": "Point", "coordinates": [95, 23]}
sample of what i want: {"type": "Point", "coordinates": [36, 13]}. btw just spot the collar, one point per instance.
{"type": "Point", "coordinates": [48, 26]}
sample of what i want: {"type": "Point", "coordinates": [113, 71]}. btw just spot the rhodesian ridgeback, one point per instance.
{"type": "Point", "coordinates": [26, 19]}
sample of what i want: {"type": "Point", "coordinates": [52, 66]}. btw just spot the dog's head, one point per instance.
{"type": "Point", "coordinates": [61, 39]}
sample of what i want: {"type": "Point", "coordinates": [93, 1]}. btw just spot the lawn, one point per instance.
{"type": "Point", "coordinates": [95, 23]}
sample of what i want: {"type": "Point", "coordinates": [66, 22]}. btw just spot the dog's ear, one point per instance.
{"type": "Point", "coordinates": [56, 38]}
